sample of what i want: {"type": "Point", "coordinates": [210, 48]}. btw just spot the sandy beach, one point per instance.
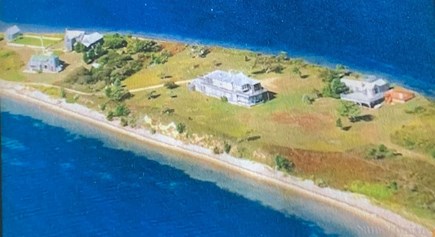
{"type": "Point", "coordinates": [354, 203]}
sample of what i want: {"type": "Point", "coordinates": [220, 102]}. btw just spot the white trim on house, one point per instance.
{"type": "Point", "coordinates": [237, 88]}
{"type": "Point", "coordinates": [369, 91]}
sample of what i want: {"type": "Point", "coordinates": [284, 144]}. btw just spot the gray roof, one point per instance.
{"type": "Point", "coordinates": [90, 39]}
{"type": "Point", "coordinates": [368, 82]}
{"type": "Point", "coordinates": [82, 37]}
{"type": "Point", "coordinates": [38, 59]}
{"type": "Point", "coordinates": [12, 30]}
{"type": "Point", "coordinates": [71, 34]}
{"type": "Point", "coordinates": [238, 79]}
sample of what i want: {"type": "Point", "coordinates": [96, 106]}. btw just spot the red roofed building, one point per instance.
{"type": "Point", "coordinates": [398, 96]}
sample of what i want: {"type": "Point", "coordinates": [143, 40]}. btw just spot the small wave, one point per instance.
{"type": "Point", "coordinates": [12, 144]}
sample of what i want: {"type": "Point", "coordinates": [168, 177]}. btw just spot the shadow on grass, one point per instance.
{"type": "Point", "coordinates": [365, 118]}
{"type": "Point", "coordinates": [270, 95]}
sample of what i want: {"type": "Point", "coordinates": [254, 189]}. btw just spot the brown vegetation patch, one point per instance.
{"type": "Point", "coordinates": [173, 48]}
{"type": "Point", "coordinates": [304, 120]}
{"type": "Point", "coordinates": [338, 169]}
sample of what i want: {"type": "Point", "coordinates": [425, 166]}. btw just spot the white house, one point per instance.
{"type": "Point", "coordinates": [75, 36]}
{"type": "Point", "coordinates": [12, 32]}
{"type": "Point", "coordinates": [237, 88]}
{"type": "Point", "coordinates": [369, 91]}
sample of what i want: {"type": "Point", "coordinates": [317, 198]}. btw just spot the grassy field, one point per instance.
{"type": "Point", "coordinates": [10, 65]}
{"type": "Point", "coordinates": [182, 66]}
{"type": "Point", "coordinates": [13, 60]}
{"type": "Point", "coordinates": [35, 41]}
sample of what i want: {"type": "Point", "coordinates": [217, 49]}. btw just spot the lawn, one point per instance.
{"type": "Point", "coordinates": [35, 41]}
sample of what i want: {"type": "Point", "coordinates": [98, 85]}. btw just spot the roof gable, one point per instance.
{"type": "Point", "coordinates": [238, 79]}
{"type": "Point", "coordinates": [89, 39]}
{"type": "Point", "coordinates": [12, 30]}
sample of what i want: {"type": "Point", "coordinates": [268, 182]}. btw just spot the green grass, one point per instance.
{"type": "Point", "coordinates": [32, 41]}
{"type": "Point", "coordinates": [182, 66]}
{"type": "Point", "coordinates": [10, 65]}
{"type": "Point", "coordinates": [418, 133]}
{"type": "Point", "coordinates": [374, 190]}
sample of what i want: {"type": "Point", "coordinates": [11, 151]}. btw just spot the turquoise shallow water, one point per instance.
{"type": "Point", "coordinates": [62, 177]}
{"type": "Point", "coordinates": [382, 37]}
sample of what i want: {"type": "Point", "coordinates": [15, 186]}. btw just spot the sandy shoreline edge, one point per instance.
{"type": "Point", "coordinates": [353, 203]}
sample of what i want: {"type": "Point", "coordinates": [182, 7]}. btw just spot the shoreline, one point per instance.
{"type": "Point", "coordinates": [350, 202]}
{"type": "Point", "coordinates": [310, 58]}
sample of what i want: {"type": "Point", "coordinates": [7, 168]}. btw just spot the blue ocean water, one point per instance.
{"type": "Point", "coordinates": [63, 177]}
{"type": "Point", "coordinates": [396, 40]}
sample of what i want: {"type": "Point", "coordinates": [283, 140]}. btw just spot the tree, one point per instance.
{"type": "Point", "coordinates": [349, 110]}
{"type": "Point", "coordinates": [114, 41]}
{"type": "Point", "coordinates": [79, 47]}
{"type": "Point", "coordinates": [86, 58]}
{"type": "Point", "coordinates": [121, 110]}
{"type": "Point", "coordinates": [143, 46]}
{"type": "Point", "coordinates": [338, 88]}
{"type": "Point", "coordinates": [116, 92]}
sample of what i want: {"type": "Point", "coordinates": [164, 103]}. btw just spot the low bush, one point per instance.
{"type": "Point", "coordinates": [380, 152]}
{"type": "Point", "coordinates": [284, 164]}
{"type": "Point", "coordinates": [181, 127]}
{"type": "Point", "coordinates": [227, 147]}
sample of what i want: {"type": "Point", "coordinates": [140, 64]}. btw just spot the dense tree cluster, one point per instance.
{"type": "Point", "coordinates": [114, 41]}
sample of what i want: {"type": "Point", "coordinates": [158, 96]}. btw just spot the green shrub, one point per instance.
{"type": "Point", "coordinates": [320, 182]}
{"type": "Point", "coordinates": [143, 46]}
{"type": "Point", "coordinates": [124, 121]}
{"type": "Point", "coordinates": [284, 164]}
{"type": "Point", "coordinates": [380, 152]}
{"type": "Point", "coordinates": [121, 110]}
{"type": "Point", "coordinates": [62, 92]}
{"type": "Point", "coordinates": [227, 147]}
{"type": "Point", "coordinates": [109, 116]}
{"type": "Point", "coordinates": [224, 99]}
{"type": "Point", "coordinates": [216, 150]}
{"type": "Point", "coordinates": [170, 85]}
{"type": "Point", "coordinates": [79, 47]}
{"type": "Point", "coordinates": [114, 41]}
{"type": "Point", "coordinates": [338, 123]}
{"type": "Point", "coordinates": [181, 127]}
